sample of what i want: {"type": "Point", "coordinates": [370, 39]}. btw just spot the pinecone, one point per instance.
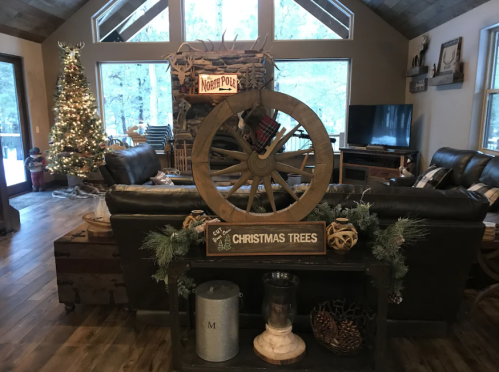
{"type": "Point", "coordinates": [349, 340]}
{"type": "Point", "coordinates": [395, 298]}
{"type": "Point", "coordinates": [325, 324]}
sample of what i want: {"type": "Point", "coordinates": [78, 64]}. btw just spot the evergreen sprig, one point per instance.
{"type": "Point", "coordinates": [386, 244]}
{"type": "Point", "coordinates": [168, 244]}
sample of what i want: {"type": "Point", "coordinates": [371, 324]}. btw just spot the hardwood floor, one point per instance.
{"type": "Point", "coordinates": [36, 333]}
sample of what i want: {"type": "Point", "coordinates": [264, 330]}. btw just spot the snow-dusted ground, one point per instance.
{"type": "Point", "coordinates": [14, 171]}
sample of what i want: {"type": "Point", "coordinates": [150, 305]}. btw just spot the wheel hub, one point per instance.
{"type": "Point", "coordinates": [261, 167]}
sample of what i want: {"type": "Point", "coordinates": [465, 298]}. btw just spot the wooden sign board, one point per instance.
{"type": "Point", "coordinates": [217, 83]}
{"type": "Point", "coordinates": [417, 86]}
{"type": "Point", "coordinates": [266, 239]}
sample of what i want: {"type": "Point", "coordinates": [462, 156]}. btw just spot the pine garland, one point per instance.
{"type": "Point", "coordinates": [386, 244]}
{"type": "Point", "coordinates": [168, 244]}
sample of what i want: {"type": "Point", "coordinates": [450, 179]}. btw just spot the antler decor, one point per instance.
{"type": "Point", "coordinates": [181, 70]}
{"type": "Point", "coordinates": [224, 47]}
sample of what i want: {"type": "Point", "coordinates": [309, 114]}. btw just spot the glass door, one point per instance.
{"type": "Point", "coordinates": [14, 133]}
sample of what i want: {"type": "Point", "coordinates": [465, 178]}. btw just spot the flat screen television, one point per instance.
{"type": "Point", "coordinates": [388, 125]}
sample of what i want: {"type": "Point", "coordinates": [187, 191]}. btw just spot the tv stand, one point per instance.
{"type": "Point", "coordinates": [370, 167]}
{"type": "Point", "coordinates": [376, 147]}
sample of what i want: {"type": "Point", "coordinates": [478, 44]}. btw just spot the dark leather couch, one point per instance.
{"type": "Point", "coordinates": [438, 266]}
{"type": "Point", "coordinates": [468, 167]}
{"type": "Point", "coordinates": [135, 166]}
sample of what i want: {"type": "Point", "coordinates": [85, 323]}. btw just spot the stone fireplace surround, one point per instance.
{"type": "Point", "coordinates": [250, 68]}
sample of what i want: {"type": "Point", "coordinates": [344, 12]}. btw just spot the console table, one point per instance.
{"type": "Point", "coordinates": [317, 358]}
{"type": "Point", "coordinates": [371, 167]}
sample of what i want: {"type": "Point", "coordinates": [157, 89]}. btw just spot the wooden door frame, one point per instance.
{"type": "Point", "coordinates": [22, 103]}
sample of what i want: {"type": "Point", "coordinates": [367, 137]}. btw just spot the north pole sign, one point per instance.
{"type": "Point", "coordinates": [217, 84]}
{"type": "Point", "coordinates": [262, 239]}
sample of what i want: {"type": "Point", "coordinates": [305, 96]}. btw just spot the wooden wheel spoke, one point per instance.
{"type": "Point", "coordinates": [281, 167]}
{"type": "Point", "coordinates": [254, 189]}
{"type": "Point", "coordinates": [241, 181]}
{"type": "Point", "coordinates": [270, 193]}
{"type": "Point", "coordinates": [292, 154]}
{"type": "Point", "coordinates": [491, 255]}
{"type": "Point", "coordinates": [232, 169]}
{"type": "Point", "coordinates": [285, 139]}
{"type": "Point", "coordinates": [232, 154]}
{"type": "Point", "coordinates": [277, 177]}
{"type": "Point", "coordinates": [242, 142]}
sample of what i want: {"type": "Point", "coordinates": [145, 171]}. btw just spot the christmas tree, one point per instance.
{"type": "Point", "coordinates": [77, 144]}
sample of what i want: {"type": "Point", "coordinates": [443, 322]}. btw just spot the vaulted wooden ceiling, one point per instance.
{"type": "Point", "coordinates": [415, 17]}
{"type": "Point", "coordinates": [35, 20]}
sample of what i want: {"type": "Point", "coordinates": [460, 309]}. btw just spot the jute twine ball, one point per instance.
{"type": "Point", "coordinates": [194, 217]}
{"type": "Point", "coordinates": [341, 235]}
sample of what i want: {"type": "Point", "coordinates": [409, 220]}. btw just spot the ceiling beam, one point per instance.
{"type": "Point", "coordinates": [118, 17]}
{"type": "Point", "coordinates": [143, 20]}
{"type": "Point", "coordinates": [330, 22]}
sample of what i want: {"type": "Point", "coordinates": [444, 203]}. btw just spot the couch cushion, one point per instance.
{"type": "Point", "coordinates": [433, 178]}
{"type": "Point", "coordinates": [474, 169]}
{"type": "Point", "coordinates": [395, 202]}
{"type": "Point", "coordinates": [490, 174]}
{"type": "Point", "coordinates": [133, 166]}
{"type": "Point", "coordinates": [457, 160]}
{"type": "Point", "coordinates": [165, 199]}
{"type": "Point", "coordinates": [491, 193]}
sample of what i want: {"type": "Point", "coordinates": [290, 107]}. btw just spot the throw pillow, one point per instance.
{"type": "Point", "coordinates": [161, 179]}
{"type": "Point", "coordinates": [432, 178]}
{"type": "Point", "coordinates": [492, 193]}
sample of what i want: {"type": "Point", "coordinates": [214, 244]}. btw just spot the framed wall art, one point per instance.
{"type": "Point", "coordinates": [450, 56]}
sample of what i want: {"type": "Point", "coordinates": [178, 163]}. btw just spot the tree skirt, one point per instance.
{"type": "Point", "coordinates": [82, 191]}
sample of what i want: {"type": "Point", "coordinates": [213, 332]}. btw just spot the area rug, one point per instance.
{"type": "Point", "coordinates": [83, 191]}
{"type": "Point", "coordinates": [31, 198]}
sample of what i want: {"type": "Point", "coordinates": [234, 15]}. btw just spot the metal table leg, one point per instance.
{"type": "Point", "coordinates": [174, 273]}
{"type": "Point", "coordinates": [381, 278]}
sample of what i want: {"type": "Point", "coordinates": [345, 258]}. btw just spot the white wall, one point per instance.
{"type": "Point", "coordinates": [444, 116]}
{"type": "Point", "coordinates": [34, 79]}
{"type": "Point", "coordinates": [378, 52]}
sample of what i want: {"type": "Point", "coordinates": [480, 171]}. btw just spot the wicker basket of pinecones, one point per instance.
{"type": "Point", "coordinates": [342, 328]}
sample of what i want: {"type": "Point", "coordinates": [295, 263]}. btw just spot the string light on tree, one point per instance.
{"type": "Point", "coordinates": [78, 140]}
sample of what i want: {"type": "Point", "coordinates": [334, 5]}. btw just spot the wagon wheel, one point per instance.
{"type": "Point", "coordinates": [488, 259]}
{"type": "Point", "coordinates": [252, 166]}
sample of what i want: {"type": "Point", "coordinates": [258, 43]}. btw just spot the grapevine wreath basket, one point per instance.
{"type": "Point", "coordinates": [342, 328]}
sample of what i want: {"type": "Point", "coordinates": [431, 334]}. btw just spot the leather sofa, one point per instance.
{"type": "Point", "coordinates": [468, 167]}
{"type": "Point", "coordinates": [135, 166]}
{"type": "Point", "coordinates": [438, 265]}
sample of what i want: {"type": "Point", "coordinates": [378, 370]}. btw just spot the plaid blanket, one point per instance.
{"type": "Point", "coordinates": [266, 130]}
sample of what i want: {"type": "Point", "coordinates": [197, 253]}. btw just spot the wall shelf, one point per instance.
{"type": "Point", "coordinates": [446, 79]}
{"type": "Point", "coordinates": [415, 71]}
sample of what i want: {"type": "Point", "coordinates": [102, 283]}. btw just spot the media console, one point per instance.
{"type": "Point", "coordinates": [373, 167]}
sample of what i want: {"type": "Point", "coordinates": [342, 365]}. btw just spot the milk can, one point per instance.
{"type": "Point", "coordinates": [217, 320]}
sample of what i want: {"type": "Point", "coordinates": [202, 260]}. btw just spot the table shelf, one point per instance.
{"type": "Point", "coordinates": [316, 359]}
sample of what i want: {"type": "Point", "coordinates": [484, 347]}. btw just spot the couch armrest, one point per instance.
{"type": "Point", "coordinates": [181, 180]}
{"type": "Point", "coordinates": [108, 178]}
{"type": "Point", "coordinates": [403, 181]}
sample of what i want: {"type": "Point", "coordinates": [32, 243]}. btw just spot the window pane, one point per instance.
{"type": "Point", "coordinates": [135, 21]}
{"type": "Point", "coordinates": [10, 127]}
{"type": "Point", "coordinates": [207, 19]}
{"type": "Point", "coordinates": [295, 21]}
{"type": "Point", "coordinates": [322, 85]}
{"type": "Point", "coordinates": [135, 94]}
{"type": "Point", "coordinates": [495, 76]}
{"type": "Point", "coordinates": [491, 129]}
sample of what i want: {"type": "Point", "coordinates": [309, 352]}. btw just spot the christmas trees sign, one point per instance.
{"type": "Point", "coordinates": [77, 144]}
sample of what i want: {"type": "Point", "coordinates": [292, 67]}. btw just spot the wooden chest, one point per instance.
{"type": "Point", "coordinates": [88, 270]}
